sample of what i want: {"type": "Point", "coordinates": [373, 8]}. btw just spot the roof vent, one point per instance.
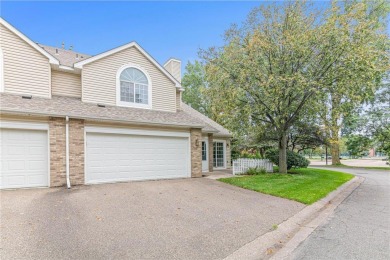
{"type": "Point", "coordinates": [77, 56]}
{"type": "Point", "coordinates": [101, 105]}
{"type": "Point", "coordinates": [27, 96]}
{"type": "Point", "coordinates": [56, 51]}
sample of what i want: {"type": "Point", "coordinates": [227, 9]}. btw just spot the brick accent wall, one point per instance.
{"type": "Point", "coordinates": [76, 151]}
{"type": "Point", "coordinates": [211, 150]}
{"type": "Point", "coordinates": [58, 151]}
{"type": "Point", "coordinates": [196, 153]}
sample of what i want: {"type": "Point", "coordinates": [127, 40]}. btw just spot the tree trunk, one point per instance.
{"type": "Point", "coordinates": [335, 129]}
{"type": "Point", "coordinates": [283, 154]}
{"type": "Point", "coordinates": [335, 147]}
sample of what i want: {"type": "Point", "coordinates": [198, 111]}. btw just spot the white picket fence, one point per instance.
{"type": "Point", "coordinates": [242, 165]}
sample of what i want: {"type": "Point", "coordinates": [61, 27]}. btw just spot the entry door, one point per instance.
{"type": "Point", "coordinates": [219, 155]}
{"type": "Point", "coordinates": [205, 158]}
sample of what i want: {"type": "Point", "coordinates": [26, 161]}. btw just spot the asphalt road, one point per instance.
{"type": "Point", "coordinates": [360, 226]}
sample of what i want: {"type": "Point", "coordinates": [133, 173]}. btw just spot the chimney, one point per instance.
{"type": "Point", "coordinates": [63, 45]}
{"type": "Point", "coordinates": [173, 66]}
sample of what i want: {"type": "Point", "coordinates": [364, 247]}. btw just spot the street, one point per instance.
{"type": "Point", "coordinates": [360, 226]}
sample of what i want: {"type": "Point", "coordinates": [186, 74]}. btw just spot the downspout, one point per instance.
{"type": "Point", "coordinates": [67, 151]}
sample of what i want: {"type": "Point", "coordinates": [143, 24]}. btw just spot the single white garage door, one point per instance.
{"type": "Point", "coordinates": [24, 158]}
{"type": "Point", "coordinates": [123, 157]}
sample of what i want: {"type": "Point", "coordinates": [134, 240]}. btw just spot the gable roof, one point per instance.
{"type": "Point", "coordinates": [65, 57]}
{"type": "Point", "coordinates": [52, 59]}
{"type": "Point", "coordinates": [210, 124]}
{"type": "Point", "coordinates": [80, 64]}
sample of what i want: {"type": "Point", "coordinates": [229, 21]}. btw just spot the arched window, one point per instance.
{"type": "Point", "coordinates": [133, 87]}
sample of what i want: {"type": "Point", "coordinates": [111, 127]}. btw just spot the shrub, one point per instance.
{"type": "Point", "coordinates": [256, 171]}
{"type": "Point", "coordinates": [294, 160]}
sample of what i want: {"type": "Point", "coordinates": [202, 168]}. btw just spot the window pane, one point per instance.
{"type": "Point", "coordinates": [127, 91]}
{"type": "Point", "coordinates": [141, 94]}
{"type": "Point", "coordinates": [134, 75]}
{"type": "Point", "coordinates": [204, 153]}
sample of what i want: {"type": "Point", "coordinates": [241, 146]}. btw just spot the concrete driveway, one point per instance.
{"type": "Point", "coordinates": [170, 219]}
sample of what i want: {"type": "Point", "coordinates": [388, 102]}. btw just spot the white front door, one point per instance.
{"type": "Point", "coordinates": [205, 155]}
{"type": "Point", "coordinates": [112, 157]}
{"type": "Point", "coordinates": [23, 158]}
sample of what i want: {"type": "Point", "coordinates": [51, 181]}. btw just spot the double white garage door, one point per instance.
{"type": "Point", "coordinates": [110, 156]}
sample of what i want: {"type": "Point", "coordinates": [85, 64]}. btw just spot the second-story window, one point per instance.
{"type": "Point", "coordinates": [134, 86]}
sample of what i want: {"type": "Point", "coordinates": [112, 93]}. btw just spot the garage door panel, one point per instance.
{"type": "Point", "coordinates": [120, 157]}
{"type": "Point", "coordinates": [24, 158]}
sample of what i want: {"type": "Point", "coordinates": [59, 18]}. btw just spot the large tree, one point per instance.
{"type": "Point", "coordinates": [359, 30]}
{"type": "Point", "coordinates": [281, 60]}
{"type": "Point", "coordinates": [195, 85]}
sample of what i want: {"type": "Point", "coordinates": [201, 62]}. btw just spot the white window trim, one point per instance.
{"type": "Point", "coordinates": [224, 154]}
{"type": "Point", "coordinates": [118, 88]}
{"type": "Point", "coordinates": [1, 70]}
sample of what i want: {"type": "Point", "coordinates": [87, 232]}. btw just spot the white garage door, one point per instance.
{"type": "Point", "coordinates": [24, 158]}
{"type": "Point", "coordinates": [123, 157]}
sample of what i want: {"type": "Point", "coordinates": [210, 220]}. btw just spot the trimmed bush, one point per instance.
{"type": "Point", "coordinates": [294, 160]}
{"type": "Point", "coordinates": [256, 171]}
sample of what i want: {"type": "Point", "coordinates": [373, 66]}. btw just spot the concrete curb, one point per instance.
{"type": "Point", "coordinates": [280, 243]}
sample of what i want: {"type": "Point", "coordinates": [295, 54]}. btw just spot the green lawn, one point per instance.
{"type": "Point", "coordinates": [303, 185]}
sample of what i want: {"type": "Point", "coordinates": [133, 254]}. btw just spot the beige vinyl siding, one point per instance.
{"type": "Point", "coordinates": [65, 84]}
{"type": "Point", "coordinates": [99, 80]}
{"type": "Point", "coordinates": [26, 71]}
{"type": "Point", "coordinates": [174, 68]}
{"type": "Point", "coordinates": [178, 100]}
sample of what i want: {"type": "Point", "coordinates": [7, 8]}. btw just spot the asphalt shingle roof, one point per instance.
{"type": "Point", "coordinates": [75, 108]}
{"type": "Point", "coordinates": [65, 57]}
{"type": "Point", "coordinates": [210, 124]}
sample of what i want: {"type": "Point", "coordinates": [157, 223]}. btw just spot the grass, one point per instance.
{"type": "Point", "coordinates": [302, 185]}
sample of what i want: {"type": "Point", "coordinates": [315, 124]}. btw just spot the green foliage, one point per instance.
{"type": "Point", "coordinates": [358, 145]}
{"type": "Point", "coordinates": [285, 58]}
{"type": "Point", "coordinates": [250, 154]}
{"type": "Point", "coordinates": [294, 160]}
{"type": "Point", "coordinates": [305, 185]}
{"type": "Point", "coordinates": [195, 85]}
{"type": "Point", "coordinates": [256, 171]}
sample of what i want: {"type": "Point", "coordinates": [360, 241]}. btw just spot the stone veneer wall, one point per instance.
{"type": "Point", "coordinates": [76, 151]}
{"type": "Point", "coordinates": [58, 151]}
{"type": "Point", "coordinates": [196, 153]}
{"type": "Point", "coordinates": [211, 150]}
